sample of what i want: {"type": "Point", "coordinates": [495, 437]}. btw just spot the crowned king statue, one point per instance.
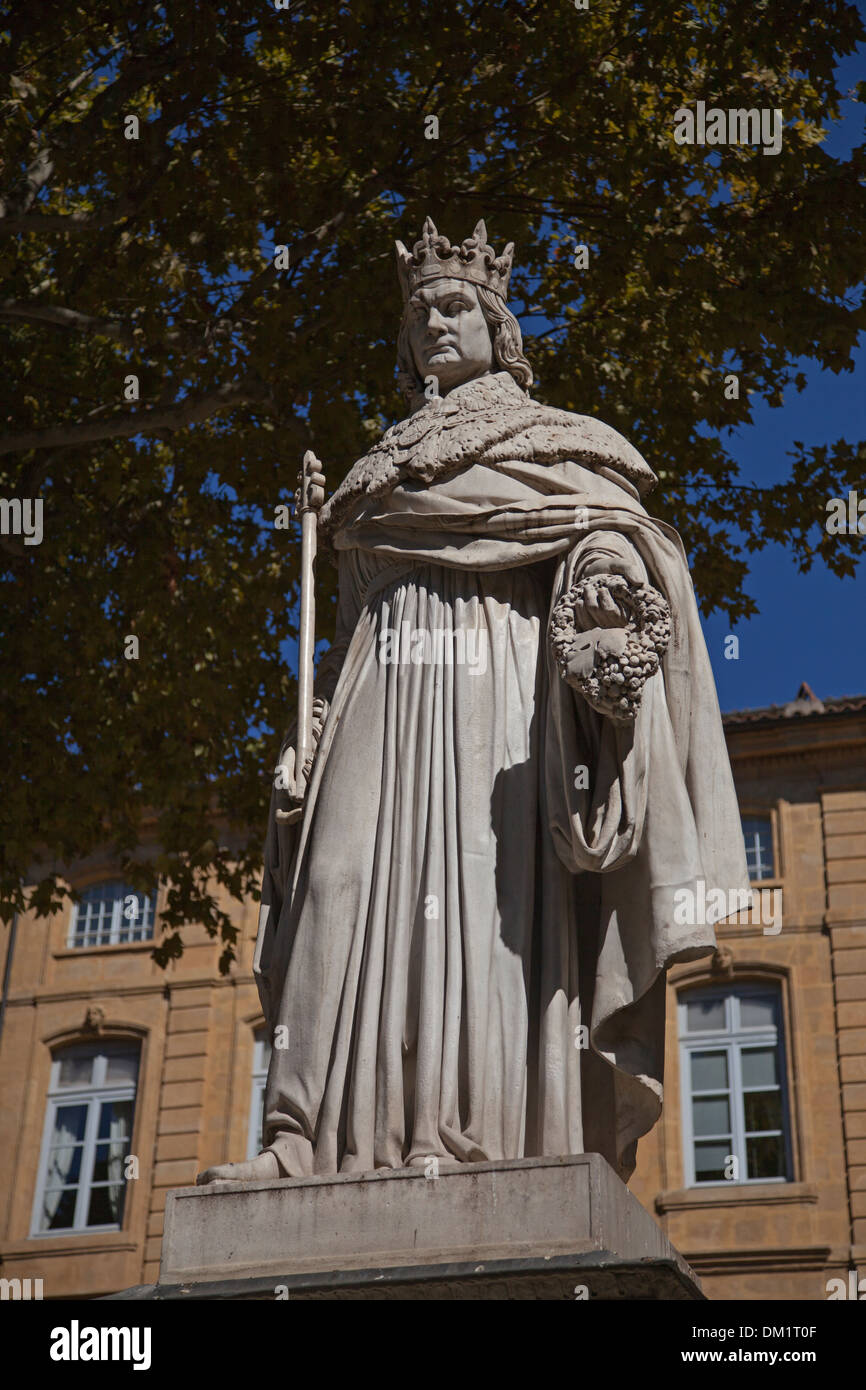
{"type": "Point", "coordinates": [519, 764]}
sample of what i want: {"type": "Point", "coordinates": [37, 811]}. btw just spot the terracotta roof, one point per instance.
{"type": "Point", "coordinates": [805, 702]}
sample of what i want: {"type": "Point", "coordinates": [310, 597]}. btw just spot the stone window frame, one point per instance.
{"type": "Point", "coordinates": [93, 1095]}
{"type": "Point", "coordinates": [61, 931]}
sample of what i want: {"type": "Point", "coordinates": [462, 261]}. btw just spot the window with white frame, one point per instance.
{"type": "Point", "coordinates": [758, 838]}
{"type": "Point", "coordinates": [111, 914]}
{"type": "Point", "coordinates": [735, 1106]}
{"type": "Point", "coordinates": [87, 1138]}
{"type": "Point", "coordinates": [261, 1062]}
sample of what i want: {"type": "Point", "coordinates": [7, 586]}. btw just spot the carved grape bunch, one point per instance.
{"type": "Point", "coordinates": [611, 666]}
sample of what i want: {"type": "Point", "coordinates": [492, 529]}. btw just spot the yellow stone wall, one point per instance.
{"type": "Point", "coordinates": [196, 1031]}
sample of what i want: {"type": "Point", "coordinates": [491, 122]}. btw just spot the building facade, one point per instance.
{"type": "Point", "coordinates": [120, 1081]}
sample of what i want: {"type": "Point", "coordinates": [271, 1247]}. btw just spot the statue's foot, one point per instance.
{"type": "Point", "coordinates": [262, 1168]}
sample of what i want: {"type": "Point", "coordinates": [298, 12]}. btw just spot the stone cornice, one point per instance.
{"type": "Point", "coordinates": [829, 734]}
{"type": "Point", "coordinates": [727, 1195]}
{"type": "Point", "coordinates": [766, 1258]}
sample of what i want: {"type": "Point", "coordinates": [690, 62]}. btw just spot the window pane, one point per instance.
{"type": "Point", "coordinates": [710, 1161]}
{"type": "Point", "coordinates": [121, 1066]}
{"type": "Point", "coordinates": [760, 1066]}
{"type": "Point", "coordinates": [136, 916]}
{"type": "Point", "coordinates": [58, 1209]}
{"type": "Point", "coordinates": [261, 1062]}
{"type": "Point", "coordinates": [115, 1120]}
{"type": "Point", "coordinates": [757, 1011]}
{"type": "Point", "coordinates": [75, 1071]}
{"type": "Point", "coordinates": [254, 1138]}
{"type": "Point", "coordinates": [101, 903]}
{"type": "Point", "coordinates": [108, 1165]}
{"type": "Point", "coordinates": [69, 1124]}
{"type": "Point", "coordinates": [106, 1206]}
{"type": "Point", "coordinates": [763, 1110]}
{"type": "Point", "coordinates": [64, 1164]}
{"type": "Point", "coordinates": [93, 915]}
{"type": "Point", "coordinates": [766, 1157]}
{"type": "Point", "coordinates": [705, 1014]}
{"type": "Point", "coordinates": [758, 838]}
{"type": "Point", "coordinates": [115, 1126]}
{"type": "Point", "coordinates": [64, 1156]}
{"type": "Point", "coordinates": [709, 1071]}
{"type": "Point", "coordinates": [712, 1115]}
{"type": "Point", "coordinates": [261, 1051]}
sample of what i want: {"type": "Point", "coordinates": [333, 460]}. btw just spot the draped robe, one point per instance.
{"type": "Point", "coordinates": [466, 936]}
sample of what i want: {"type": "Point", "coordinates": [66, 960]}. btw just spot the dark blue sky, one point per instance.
{"type": "Point", "coordinates": [811, 626]}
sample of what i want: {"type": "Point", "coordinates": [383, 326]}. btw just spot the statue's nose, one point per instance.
{"type": "Point", "coordinates": [435, 321]}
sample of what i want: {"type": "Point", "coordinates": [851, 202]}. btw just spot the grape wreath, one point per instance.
{"type": "Point", "coordinates": [615, 685]}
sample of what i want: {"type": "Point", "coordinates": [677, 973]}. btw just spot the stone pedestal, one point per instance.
{"type": "Point", "coordinates": [549, 1228]}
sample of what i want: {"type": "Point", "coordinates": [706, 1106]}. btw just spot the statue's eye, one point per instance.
{"type": "Point", "coordinates": [454, 307]}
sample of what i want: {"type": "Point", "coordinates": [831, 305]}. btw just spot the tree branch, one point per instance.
{"type": "Point", "coordinates": [64, 221]}
{"type": "Point", "coordinates": [66, 318]}
{"type": "Point", "coordinates": [190, 411]}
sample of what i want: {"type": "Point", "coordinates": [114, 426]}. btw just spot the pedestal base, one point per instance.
{"type": "Point", "coordinates": [548, 1228]}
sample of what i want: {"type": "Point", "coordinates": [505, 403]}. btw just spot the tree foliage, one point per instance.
{"type": "Point", "coordinates": [154, 257]}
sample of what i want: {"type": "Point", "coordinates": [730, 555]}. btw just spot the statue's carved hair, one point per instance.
{"type": "Point", "coordinates": [505, 335]}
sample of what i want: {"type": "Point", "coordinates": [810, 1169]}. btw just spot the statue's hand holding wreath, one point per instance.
{"type": "Point", "coordinates": [608, 634]}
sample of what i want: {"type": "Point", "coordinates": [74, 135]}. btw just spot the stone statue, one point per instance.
{"type": "Point", "coordinates": [519, 764]}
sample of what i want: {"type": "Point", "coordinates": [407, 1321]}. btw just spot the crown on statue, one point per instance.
{"type": "Point", "coordinates": [434, 258]}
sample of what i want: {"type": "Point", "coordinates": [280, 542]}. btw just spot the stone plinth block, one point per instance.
{"type": "Point", "coordinates": [531, 1228]}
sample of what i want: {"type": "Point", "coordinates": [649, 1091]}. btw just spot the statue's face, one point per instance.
{"type": "Point", "coordinates": [448, 333]}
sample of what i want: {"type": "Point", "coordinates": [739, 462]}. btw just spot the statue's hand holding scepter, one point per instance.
{"type": "Point", "coordinates": [295, 762]}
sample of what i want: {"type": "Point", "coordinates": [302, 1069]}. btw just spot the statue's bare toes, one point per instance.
{"type": "Point", "coordinates": [220, 1173]}
{"type": "Point", "coordinates": [258, 1169]}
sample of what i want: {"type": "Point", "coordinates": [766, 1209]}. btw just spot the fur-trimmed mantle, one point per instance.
{"type": "Point", "coordinates": [489, 420]}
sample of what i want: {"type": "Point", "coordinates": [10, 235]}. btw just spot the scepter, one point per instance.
{"type": "Point", "coordinates": [309, 497]}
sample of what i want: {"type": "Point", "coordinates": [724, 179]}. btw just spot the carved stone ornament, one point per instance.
{"type": "Point", "coordinates": [94, 1019]}
{"type": "Point", "coordinates": [611, 665]}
